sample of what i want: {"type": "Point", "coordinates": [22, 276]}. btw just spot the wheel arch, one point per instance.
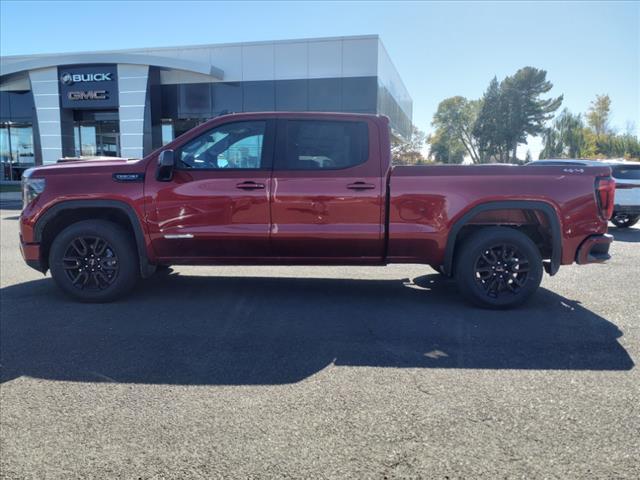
{"type": "Point", "coordinates": [67, 212]}
{"type": "Point", "coordinates": [544, 208]}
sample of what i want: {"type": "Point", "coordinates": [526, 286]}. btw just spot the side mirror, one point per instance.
{"type": "Point", "coordinates": [166, 164]}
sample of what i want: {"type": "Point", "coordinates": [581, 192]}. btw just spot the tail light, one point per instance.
{"type": "Point", "coordinates": [605, 191]}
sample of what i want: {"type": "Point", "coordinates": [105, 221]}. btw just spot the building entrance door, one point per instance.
{"type": "Point", "coordinates": [96, 134]}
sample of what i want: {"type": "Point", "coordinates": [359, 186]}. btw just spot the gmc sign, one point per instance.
{"type": "Point", "coordinates": [88, 95]}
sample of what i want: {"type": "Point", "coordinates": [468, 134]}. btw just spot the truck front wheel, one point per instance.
{"type": "Point", "coordinates": [498, 267]}
{"type": "Point", "coordinates": [94, 261]}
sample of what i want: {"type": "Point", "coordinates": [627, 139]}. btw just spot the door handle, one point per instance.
{"type": "Point", "coordinates": [361, 186]}
{"type": "Point", "coordinates": [249, 185]}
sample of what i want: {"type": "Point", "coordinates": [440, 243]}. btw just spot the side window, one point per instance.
{"type": "Point", "coordinates": [323, 145]}
{"type": "Point", "coordinates": [230, 146]}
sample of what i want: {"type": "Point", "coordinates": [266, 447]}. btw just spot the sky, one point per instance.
{"type": "Point", "coordinates": [440, 49]}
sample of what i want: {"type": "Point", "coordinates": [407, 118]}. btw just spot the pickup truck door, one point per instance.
{"type": "Point", "coordinates": [217, 204]}
{"type": "Point", "coordinates": [327, 191]}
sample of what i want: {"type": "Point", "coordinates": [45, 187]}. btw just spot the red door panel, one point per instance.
{"type": "Point", "coordinates": [328, 213]}
{"type": "Point", "coordinates": [216, 207]}
{"type": "Point", "coordinates": [210, 215]}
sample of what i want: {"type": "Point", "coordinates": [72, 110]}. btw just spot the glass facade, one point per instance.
{"type": "Point", "coordinates": [17, 147]}
{"type": "Point", "coordinates": [96, 134]}
{"type": "Point", "coordinates": [189, 104]}
{"type": "Point", "coordinates": [17, 152]}
{"type": "Point", "coordinates": [213, 98]}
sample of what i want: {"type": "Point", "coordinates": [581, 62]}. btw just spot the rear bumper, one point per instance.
{"type": "Point", "coordinates": [31, 255]}
{"type": "Point", "coordinates": [595, 249]}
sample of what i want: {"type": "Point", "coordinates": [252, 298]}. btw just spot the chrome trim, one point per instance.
{"type": "Point", "coordinates": [173, 236]}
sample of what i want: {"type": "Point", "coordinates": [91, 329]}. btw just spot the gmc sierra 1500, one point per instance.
{"type": "Point", "coordinates": [315, 189]}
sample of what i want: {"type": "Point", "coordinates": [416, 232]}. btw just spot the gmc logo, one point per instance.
{"type": "Point", "coordinates": [88, 95]}
{"type": "Point", "coordinates": [71, 78]}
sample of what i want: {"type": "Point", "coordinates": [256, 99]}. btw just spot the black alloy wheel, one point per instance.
{"type": "Point", "coordinates": [91, 263]}
{"type": "Point", "coordinates": [498, 267]}
{"type": "Point", "coordinates": [501, 270]}
{"type": "Point", "coordinates": [94, 261]}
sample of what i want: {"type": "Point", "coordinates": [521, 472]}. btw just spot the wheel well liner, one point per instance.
{"type": "Point", "coordinates": [546, 209]}
{"type": "Point", "coordinates": [67, 206]}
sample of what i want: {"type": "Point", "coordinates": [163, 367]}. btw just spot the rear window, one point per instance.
{"type": "Point", "coordinates": [324, 145]}
{"type": "Point", "coordinates": [626, 172]}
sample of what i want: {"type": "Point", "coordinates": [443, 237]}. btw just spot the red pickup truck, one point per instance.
{"type": "Point", "coordinates": [309, 189]}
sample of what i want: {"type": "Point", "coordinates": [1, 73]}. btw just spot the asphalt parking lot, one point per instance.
{"type": "Point", "coordinates": [336, 372]}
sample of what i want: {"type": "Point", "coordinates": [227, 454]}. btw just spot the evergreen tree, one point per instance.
{"type": "Point", "coordinates": [512, 110]}
{"type": "Point", "coordinates": [488, 128]}
{"type": "Point", "coordinates": [525, 112]}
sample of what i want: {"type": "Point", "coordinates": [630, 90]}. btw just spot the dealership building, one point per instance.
{"type": "Point", "coordinates": [129, 102]}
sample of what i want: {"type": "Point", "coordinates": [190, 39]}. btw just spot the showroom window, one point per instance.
{"type": "Point", "coordinates": [16, 149]}
{"type": "Point", "coordinates": [96, 133]}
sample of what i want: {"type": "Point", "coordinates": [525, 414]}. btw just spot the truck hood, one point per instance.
{"type": "Point", "coordinates": [72, 167]}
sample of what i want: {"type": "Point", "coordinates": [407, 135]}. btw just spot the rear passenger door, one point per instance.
{"type": "Point", "coordinates": [327, 190]}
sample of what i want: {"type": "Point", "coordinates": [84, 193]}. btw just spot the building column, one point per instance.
{"type": "Point", "coordinates": [46, 99]}
{"type": "Point", "coordinates": [132, 91]}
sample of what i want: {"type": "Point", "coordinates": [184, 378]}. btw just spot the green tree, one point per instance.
{"type": "Point", "coordinates": [568, 137]}
{"type": "Point", "coordinates": [513, 109]}
{"type": "Point", "coordinates": [565, 138]}
{"type": "Point", "coordinates": [598, 114]}
{"type": "Point", "coordinates": [525, 111]}
{"type": "Point", "coordinates": [453, 122]}
{"type": "Point", "coordinates": [408, 151]}
{"type": "Point", "coordinates": [488, 128]}
{"type": "Point", "coordinates": [444, 149]}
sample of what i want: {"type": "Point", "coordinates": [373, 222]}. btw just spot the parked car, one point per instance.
{"type": "Point", "coordinates": [626, 209]}
{"type": "Point", "coordinates": [309, 189]}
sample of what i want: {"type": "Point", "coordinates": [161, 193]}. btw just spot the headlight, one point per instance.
{"type": "Point", "coordinates": [31, 188]}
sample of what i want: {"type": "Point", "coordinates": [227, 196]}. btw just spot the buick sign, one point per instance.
{"type": "Point", "coordinates": [69, 79]}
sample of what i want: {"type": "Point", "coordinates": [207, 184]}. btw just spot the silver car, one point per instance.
{"type": "Point", "coordinates": [626, 211]}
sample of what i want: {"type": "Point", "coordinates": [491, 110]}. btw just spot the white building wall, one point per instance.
{"type": "Point", "coordinates": [44, 86]}
{"type": "Point", "coordinates": [132, 86]}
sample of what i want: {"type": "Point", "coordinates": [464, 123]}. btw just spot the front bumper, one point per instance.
{"type": "Point", "coordinates": [31, 254]}
{"type": "Point", "coordinates": [595, 249]}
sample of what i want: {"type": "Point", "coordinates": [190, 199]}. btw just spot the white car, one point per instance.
{"type": "Point", "coordinates": [626, 211]}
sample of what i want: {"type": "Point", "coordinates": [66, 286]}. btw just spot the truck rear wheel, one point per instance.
{"type": "Point", "coordinates": [498, 267]}
{"type": "Point", "coordinates": [623, 220]}
{"type": "Point", "coordinates": [94, 261]}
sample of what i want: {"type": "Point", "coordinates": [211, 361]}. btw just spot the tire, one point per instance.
{"type": "Point", "coordinates": [94, 261]}
{"type": "Point", "coordinates": [622, 220]}
{"type": "Point", "coordinates": [498, 267]}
